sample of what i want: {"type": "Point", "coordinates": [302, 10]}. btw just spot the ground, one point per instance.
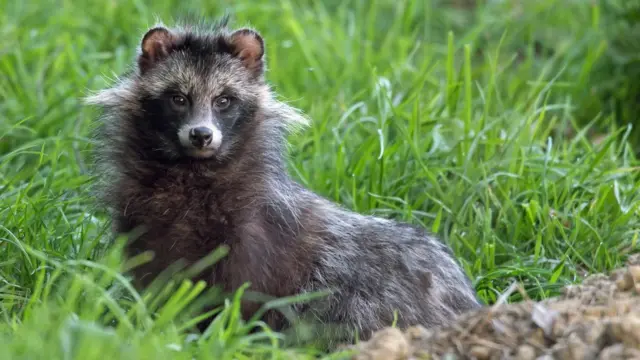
{"type": "Point", "coordinates": [505, 127]}
{"type": "Point", "coordinates": [599, 319]}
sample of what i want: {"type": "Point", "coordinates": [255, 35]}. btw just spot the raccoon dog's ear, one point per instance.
{"type": "Point", "coordinates": [248, 46]}
{"type": "Point", "coordinates": [156, 44]}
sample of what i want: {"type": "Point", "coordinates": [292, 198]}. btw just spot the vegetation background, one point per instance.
{"type": "Point", "coordinates": [507, 127]}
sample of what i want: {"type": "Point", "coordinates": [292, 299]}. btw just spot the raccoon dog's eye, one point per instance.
{"type": "Point", "coordinates": [222, 102]}
{"type": "Point", "coordinates": [179, 101]}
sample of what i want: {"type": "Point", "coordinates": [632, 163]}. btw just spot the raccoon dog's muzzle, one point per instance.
{"type": "Point", "coordinates": [200, 139]}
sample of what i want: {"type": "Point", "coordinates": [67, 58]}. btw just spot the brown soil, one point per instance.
{"type": "Point", "coordinates": [599, 319]}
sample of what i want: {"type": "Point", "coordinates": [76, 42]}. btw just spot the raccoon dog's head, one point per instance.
{"type": "Point", "coordinates": [193, 92]}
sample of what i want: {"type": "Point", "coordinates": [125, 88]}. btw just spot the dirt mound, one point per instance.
{"type": "Point", "coordinates": [599, 319]}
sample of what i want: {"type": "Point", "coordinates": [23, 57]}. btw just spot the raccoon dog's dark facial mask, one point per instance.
{"type": "Point", "coordinates": [200, 91]}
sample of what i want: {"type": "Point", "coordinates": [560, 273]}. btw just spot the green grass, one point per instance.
{"type": "Point", "coordinates": [451, 119]}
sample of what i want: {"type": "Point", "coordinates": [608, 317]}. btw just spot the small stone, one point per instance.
{"type": "Point", "coordinates": [537, 337]}
{"type": "Point", "coordinates": [560, 351]}
{"type": "Point", "coordinates": [631, 353]}
{"type": "Point", "coordinates": [526, 352]}
{"type": "Point", "coordinates": [614, 352]}
{"type": "Point", "coordinates": [418, 333]}
{"type": "Point", "coordinates": [386, 344]}
{"type": "Point", "coordinates": [578, 350]}
{"type": "Point", "coordinates": [627, 331]}
{"type": "Point", "coordinates": [449, 356]}
{"type": "Point", "coordinates": [635, 273]}
{"type": "Point", "coordinates": [545, 357]}
{"type": "Point", "coordinates": [625, 282]}
{"type": "Point", "coordinates": [480, 352]}
{"type": "Point", "coordinates": [596, 335]}
{"type": "Point", "coordinates": [559, 327]}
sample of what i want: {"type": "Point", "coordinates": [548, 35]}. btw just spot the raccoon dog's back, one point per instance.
{"type": "Point", "coordinates": [193, 151]}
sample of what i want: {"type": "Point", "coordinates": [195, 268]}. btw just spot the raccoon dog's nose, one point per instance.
{"type": "Point", "coordinates": [200, 136]}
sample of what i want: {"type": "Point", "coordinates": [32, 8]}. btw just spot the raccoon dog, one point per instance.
{"type": "Point", "coordinates": [193, 150]}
